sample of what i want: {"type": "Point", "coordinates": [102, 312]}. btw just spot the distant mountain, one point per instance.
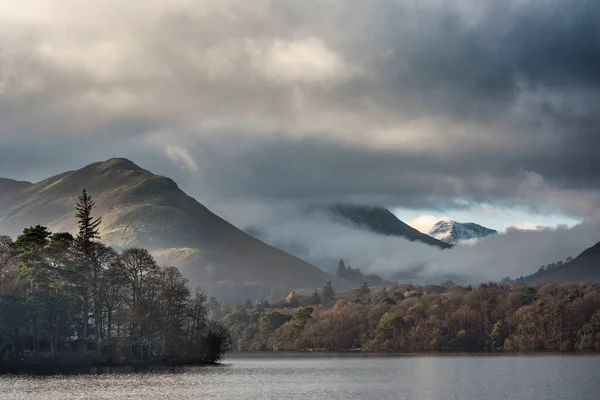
{"type": "Point", "coordinates": [10, 185]}
{"type": "Point", "coordinates": [8, 188]}
{"type": "Point", "coordinates": [584, 268]}
{"type": "Point", "coordinates": [147, 210]}
{"type": "Point", "coordinates": [453, 232]}
{"type": "Point", "coordinates": [381, 221]}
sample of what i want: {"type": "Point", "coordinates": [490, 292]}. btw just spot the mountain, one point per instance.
{"type": "Point", "coordinates": [381, 221]}
{"type": "Point", "coordinates": [8, 188]}
{"type": "Point", "coordinates": [453, 232]}
{"type": "Point", "coordinates": [139, 208]}
{"type": "Point", "coordinates": [584, 268]}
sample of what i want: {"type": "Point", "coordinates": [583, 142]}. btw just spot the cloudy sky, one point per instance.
{"type": "Point", "coordinates": [484, 110]}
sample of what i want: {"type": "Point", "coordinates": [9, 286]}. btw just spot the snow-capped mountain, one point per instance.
{"type": "Point", "coordinates": [453, 232]}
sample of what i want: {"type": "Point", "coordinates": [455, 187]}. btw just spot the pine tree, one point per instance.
{"type": "Point", "coordinates": [328, 293]}
{"type": "Point", "coordinates": [363, 291]}
{"type": "Point", "coordinates": [88, 226]}
{"type": "Point", "coordinates": [87, 234]}
{"type": "Point", "coordinates": [315, 299]}
{"type": "Point", "coordinates": [341, 271]}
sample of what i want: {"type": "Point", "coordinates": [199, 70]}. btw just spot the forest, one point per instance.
{"type": "Point", "coordinates": [407, 318]}
{"type": "Point", "coordinates": [68, 300]}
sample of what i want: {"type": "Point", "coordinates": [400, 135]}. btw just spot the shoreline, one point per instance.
{"type": "Point", "coordinates": [365, 353]}
{"type": "Point", "coordinates": [83, 366]}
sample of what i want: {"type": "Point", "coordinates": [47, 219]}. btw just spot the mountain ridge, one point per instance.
{"type": "Point", "coordinates": [142, 209]}
{"type": "Point", "coordinates": [584, 268]}
{"type": "Point", "coordinates": [453, 232]}
{"type": "Point", "coordinates": [380, 220]}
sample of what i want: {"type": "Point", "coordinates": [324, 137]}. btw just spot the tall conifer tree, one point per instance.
{"type": "Point", "coordinates": [87, 234]}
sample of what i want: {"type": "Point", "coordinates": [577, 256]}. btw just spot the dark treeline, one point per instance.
{"type": "Point", "coordinates": [543, 270]}
{"type": "Point", "coordinates": [356, 275]}
{"type": "Point", "coordinates": [74, 298]}
{"type": "Point", "coordinates": [406, 318]}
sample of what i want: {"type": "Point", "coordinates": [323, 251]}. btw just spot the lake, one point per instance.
{"type": "Point", "coordinates": [329, 377]}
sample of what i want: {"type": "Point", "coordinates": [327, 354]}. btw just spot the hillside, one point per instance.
{"type": "Point", "coordinates": [584, 268]}
{"type": "Point", "coordinates": [453, 232]}
{"type": "Point", "coordinates": [147, 210]}
{"type": "Point", "coordinates": [8, 188]}
{"type": "Point", "coordinates": [382, 221]}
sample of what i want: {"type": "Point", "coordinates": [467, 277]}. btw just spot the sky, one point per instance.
{"type": "Point", "coordinates": [476, 110]}
{"type": "Point", "coordinates": [498, 218]}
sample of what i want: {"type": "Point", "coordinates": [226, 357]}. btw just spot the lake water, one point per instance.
{"type": "Point", "coordinates": [329, 377]}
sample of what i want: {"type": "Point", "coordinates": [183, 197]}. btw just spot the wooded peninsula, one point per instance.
{"type": "Point", "coordinates": [71, 303]}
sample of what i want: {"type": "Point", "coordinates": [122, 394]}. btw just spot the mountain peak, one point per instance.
{"type": "Point", "coordinates": [453, 232]}
{"type": "Point", "coordinates": [382, 221]}
{"type": "Point", "coordinates": [7, 182]}
{"type": "Point", "coordinates": [141, 209]}
{"type": "Point", "coordinates": [118, 164]}
{"type": "Point", "coordinates": [592, 252]}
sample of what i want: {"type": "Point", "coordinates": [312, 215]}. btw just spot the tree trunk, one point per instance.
{"type": "Point", "coordinates": [108, 323]}
{"type": "Point", "coordinates": [98, 326]}
{"type": "Point", "coordinates": [86, 313]}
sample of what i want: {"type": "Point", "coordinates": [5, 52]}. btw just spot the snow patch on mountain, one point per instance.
{"type": "Point", "coordinates": [453, 232]}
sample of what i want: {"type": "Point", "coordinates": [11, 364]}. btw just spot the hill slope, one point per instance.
{"type": "Point", "coordinates": [8, 189]}
{"type": "Point", "coordinates": [584, 268]}
{"type": "Point", "coordinates": [382, 221]}
{"type": "Point", "coordinates": [453, 232]}
{"type": "Point", "coordinates": [143, 209]}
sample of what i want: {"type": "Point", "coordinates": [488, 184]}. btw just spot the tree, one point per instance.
{"type": "Point", "coordinates": [174, 297]}
{"type": "Point", "coordinates": [87, 234]}
{"type": "Point", "coordinates": [315, 298]}
{"type": "Point", "coordinates": [59, 249]}
{"type": "Point", "coordinates": [328, 293]}
{"type": "Point", "coordinates": [497, 336]}
{"type": "Point", "coordinates": [341, 271]}
{"type": "Point", "coordinates": [301, 316]}
{"type": "Point", "coordinates": [88, 226]}
{"type": "Point", "coordinates": [568, 260]}
{"type": "Point", "coordinates": [216, 341]}
{"type": "Point", "coordinates": [104, 261]}
{"type": "Point", "coordinates": [363, 291]}
{"type": "Point", "coordinates": [139, 266]}
{"type": "Point", "coordinates": [40, 279]}
{"type": "Point", "coordinates": [33, 239]}
{"type": "Point", "coordinates": [8, 252]}
{"type": "Point", "coordinates": [141, 272]}
{"type": "Point", "coordinates": [215, 309]}
{"type": "Point", "coordinates": [248, 304]}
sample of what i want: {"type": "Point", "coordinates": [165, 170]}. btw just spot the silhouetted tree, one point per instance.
{"type": "Point", "coordinates": [328, 293]}
{"type": "Point", "coordinates": [315, 298]}
{"type": "Point", "coordinates": [363, 291]}
{"type": "Point", "coordinates": [87, 234]}
{"type": "Point", "coordinates": [341, 271]}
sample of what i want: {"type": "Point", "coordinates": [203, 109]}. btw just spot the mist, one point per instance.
{"type": "Point", "coordinates": [323, 240]}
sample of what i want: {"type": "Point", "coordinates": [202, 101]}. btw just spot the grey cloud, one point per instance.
{"type": "Point", "coordinates": [311, 170]}
{"type": "Point", "coordinates": [399, 103]}
{"type": "Point", "coordinates": [323, 241]}
{"type": "Point", "coordinates": [517, 252]}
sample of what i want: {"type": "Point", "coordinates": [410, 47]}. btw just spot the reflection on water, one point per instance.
{"type": "Point", "coordinates": [332, 377]}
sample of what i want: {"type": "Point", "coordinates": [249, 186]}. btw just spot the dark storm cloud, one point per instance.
{"type": "Point", "coordinates": [402, 103]}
